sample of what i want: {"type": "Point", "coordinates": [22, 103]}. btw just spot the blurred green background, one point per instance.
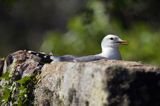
{"type": "Point", "coordinates": [78, 26]}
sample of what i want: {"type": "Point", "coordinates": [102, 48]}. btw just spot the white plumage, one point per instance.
{"type": "Point", "coordinates": [110, 47]}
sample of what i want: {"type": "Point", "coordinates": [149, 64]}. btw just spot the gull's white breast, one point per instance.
{"type": "Point", "coordinates": [111, 53]}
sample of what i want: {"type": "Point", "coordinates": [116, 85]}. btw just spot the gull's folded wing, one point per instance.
{"type": "Point", "coordinates": [89, 58]}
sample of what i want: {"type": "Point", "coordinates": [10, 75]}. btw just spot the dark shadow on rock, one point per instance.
{"type": "Point", "coordinates": [132, 88]}
{"type": "Point", "coordinates": [145, 89]}
{"type": "Point", "coordinates": [118, 80]}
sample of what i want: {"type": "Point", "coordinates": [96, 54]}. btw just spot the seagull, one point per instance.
{"type": "Point", "coordinates": [110, 50]}
{"type": "Point", "coordinates": [110, 47]}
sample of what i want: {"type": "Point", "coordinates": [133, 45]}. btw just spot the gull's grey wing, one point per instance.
{"type": "Point", "coordinates": [88, 58]}
{"type": "Point", "coordinates": [68, 58]}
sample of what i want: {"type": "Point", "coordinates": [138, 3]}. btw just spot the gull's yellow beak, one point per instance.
{"type": "Point", "coordinates": [124, 42]}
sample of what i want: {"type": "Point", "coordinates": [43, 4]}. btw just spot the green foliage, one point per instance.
{"type": "Point", "coordinates": [6, 88]}
{"type": "Point", "coordinates": [143, 45]}
{"type": "Point", "coordinates": [6, 94]}
{"type": "Point", "coordinates": [81, 34]}
{"type": "Point", "coordinates": [24, 80]}
{"type": "Point", "coordinates": [85, 32]}
{"type": "Point", "coordinates": [25, 89]}
{"type": "Point", "coordinates": [5, 76]}
{"type": "Point", "coordinates": [17, 92]}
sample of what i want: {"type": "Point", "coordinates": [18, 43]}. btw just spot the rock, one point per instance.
{"type": "Point", "coordinates": [22, 63]}
{"type": "Point", "coordinates": [99, 83]}
{"type": "Point", "coordinates": [17, 80]}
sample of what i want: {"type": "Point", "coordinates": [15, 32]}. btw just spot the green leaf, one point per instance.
{"type": "Point", "coordinates": [24, 80]}
{"type": "Point", "coordinates": [6, 94]}
{"type": "Point", "coordinates": [5, 76]}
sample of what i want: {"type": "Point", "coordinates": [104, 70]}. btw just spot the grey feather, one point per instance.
{"type": "Point", "coordinates": [89, 58]}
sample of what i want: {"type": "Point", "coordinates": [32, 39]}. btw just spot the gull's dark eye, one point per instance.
{"type": "Point", "coordinates": [111, 38]}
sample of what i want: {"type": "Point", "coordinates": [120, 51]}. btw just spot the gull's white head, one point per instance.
{"type": "Point", "coordinates": [112, 41]}
{"type": "Point", "coordinates": [110, 44]}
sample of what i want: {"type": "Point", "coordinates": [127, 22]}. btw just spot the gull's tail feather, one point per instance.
{"type": "Point", "coordinates": [48, 58]}
{"type": "Point", "coordinates": [45, 58]}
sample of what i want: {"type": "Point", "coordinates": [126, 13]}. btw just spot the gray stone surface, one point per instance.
{"type": "Point", "coordinates": [99, 83]}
